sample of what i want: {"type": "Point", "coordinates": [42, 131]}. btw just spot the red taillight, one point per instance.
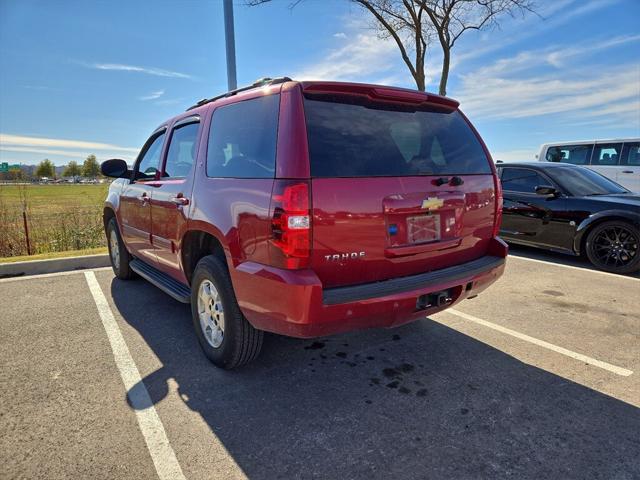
{"type": "Point", "coordinates": [290, 224]}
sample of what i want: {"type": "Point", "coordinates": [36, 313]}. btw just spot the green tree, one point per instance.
{"type": "Point", "coordinates": [45, 169]}
{"type": "Point", "coordinates": [72, 169]}
{"type": "Point", "coordinates": [91, 167]}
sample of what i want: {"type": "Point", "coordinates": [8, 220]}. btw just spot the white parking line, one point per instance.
{"type": "Point", "coordinates": [573, 267]}
{"type": "Point", "coordinates": [163, 456]}
{"type": "Point", "coordinates": [541, 343]}
{"type": "Point", "coordinates": [54, 274]}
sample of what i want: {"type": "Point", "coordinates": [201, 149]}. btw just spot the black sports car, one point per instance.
{"type": "Point", "coordinates": [571, 209]}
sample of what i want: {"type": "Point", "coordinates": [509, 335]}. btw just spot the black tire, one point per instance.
{"type": "Point", "coordinates": [614, 246]}
{"type": "Point", "coordinates": [240, 342]}
{"type": "Point", "coordinates": [119, 262]}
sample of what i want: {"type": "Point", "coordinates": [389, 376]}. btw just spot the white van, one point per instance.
{"type": "Point", "coordinates": [618, 159]}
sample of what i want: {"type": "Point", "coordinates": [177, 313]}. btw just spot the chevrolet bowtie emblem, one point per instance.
{"type": "Point", "coordinates": [432, 203]}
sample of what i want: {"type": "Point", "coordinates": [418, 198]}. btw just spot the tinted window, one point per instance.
{"type": "Point", "coordinates": [150, 162]}
{"type": "Point", "coordinates": [631, 154]}
{"type": "Point", "coordinates": [182, 150]}
{"type": "Point", "coordinates": [242, 139]}
{"type": "Point", "coordinates": [582, 181]}
{"type": "Point", "coordinates": [351, 137]}
{"type": "Point", "coordinates": [575, 154]}
{"type": "Point", "coordinates": [521, 180]}
{"type": "Point", "coordinates": [606, 154]}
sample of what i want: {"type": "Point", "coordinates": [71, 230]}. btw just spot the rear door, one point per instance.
{"type": "Point", "coordinates": [397, 188]}
{"type": "Point", "coordinates": [135, 200]}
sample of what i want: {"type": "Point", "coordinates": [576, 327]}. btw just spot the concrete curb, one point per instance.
{"type": "Point", "coordinates": [53, 265]}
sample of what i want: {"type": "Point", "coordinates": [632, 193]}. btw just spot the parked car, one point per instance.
{"type": "Point", "coordinates": [307, 209]}
{"type": "Point", "coordinates": [571, 209]}
{"type": "Point", "coordinates": [617, 159]}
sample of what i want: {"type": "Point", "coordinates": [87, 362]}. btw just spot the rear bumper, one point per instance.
{"type": "Point", "coordinates": [293, 302]}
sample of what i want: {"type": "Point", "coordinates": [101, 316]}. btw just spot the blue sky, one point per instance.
{"type": "Point", "coordinates": [81, 77]}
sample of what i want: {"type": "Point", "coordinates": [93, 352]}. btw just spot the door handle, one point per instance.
{"type": "Point", "coordinates": [180, 201]}
{"type": "Point", "coordinates": [627, 171]}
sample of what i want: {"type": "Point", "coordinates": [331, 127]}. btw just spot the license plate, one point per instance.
{"type": "Point", "coordinates": [423, 228]}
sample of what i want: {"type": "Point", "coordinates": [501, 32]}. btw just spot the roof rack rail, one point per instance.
{"type": "Point", "coordinates": [261, 82]}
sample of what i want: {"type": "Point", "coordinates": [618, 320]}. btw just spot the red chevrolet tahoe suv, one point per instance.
{"type": "Point", "coordinates": [307, 209]}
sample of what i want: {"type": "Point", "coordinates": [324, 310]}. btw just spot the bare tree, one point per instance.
{"type": "Point", "coordinates": [405, 21]}
{"type": "Point", "coordinates": [413, 23]}
{"type": "Point", "coordinates": [452, 18]}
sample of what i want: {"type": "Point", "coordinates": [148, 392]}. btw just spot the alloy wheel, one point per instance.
{"type": "Point", "coordinates": [114, 249]}
{"type": "Point", "coordinates": [615, 247]}
{"type": "Point", "coordinates": [211, 313]}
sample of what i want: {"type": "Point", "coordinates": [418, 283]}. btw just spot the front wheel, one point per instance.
{"type": "Point", "coordinates": [118, 253]}
{"type": "Point", "coordinates": [226, 337]}
{"type": "Point", "coordinates": [614, 247]}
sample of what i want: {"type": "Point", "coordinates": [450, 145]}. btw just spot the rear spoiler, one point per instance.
{"type": "Point", "coordinates": [373, 92]}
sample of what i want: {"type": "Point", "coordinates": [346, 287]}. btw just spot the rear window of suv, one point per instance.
{"type": "Point", "coordinates": [242, 139]}
{"type": "Point", "coordinates": [353, 137]}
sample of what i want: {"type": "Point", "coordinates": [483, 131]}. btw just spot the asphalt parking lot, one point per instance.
{"type": "Point", "coordinates": [536, 378]}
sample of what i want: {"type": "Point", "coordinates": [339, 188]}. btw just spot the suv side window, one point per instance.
{"type": "Point", "coordinates": [521, 180]}
{"type": "Point", "coordinates": [242, 139]}
{"type": "Point", "coordinates": [630, 154]}
{"type": "Point", "coordinates": [182, 150]}
{"type": "Point", "coordinates": [606, 154]}
{"type": "Point", "coordinates": [575, 154]}
{"type": "Point", "coordinates": [149, 164]}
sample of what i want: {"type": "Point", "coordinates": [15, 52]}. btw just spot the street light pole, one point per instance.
{"type": "Point", "coordinates": [230, 44]}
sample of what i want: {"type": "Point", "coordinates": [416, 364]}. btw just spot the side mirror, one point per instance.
{"type": "Point", "coordinates": [546, 190]}
{"type": "Point", "coordinates": [115, 168]}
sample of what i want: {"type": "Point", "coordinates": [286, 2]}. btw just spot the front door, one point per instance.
{"type": "Point", "coordinates": [531, 218]}
{"type": "Point", "coordinates": [172, 196]}
{"type": "Point", "coordinates": [135, 201]}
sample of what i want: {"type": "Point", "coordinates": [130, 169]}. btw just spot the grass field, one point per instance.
{"type": "Point", "coordinates": [60, 218]}
{"type": "Point", "coordinates": [50, 198]}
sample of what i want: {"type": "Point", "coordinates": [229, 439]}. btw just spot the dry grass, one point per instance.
{"type": "Point", "coordinates": [60, 218]}
{"type": "Point", "coordinates": [47, 256]}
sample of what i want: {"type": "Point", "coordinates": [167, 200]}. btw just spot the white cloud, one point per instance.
{"type": "Point", "coordinates": [569, 91]}
{"type": "Point", "coordinates": [554, 14]}
{"type": "Point", "coordinates": [152, 95]}
{"type": "Point", "coordinates": [340, 35]}
{"type": "Point", "coordinates": [361, 57]}
{"type": "Point", "coordinates": [66, 153]}
{"type": "Point", "coordinates": [159, 72]}
{"type": "Point", "coordinates": [23, 140]}
{"type": "Point", "coordinates": [517, 155]}
{"type": "Point", "coordinates": [554, 56]}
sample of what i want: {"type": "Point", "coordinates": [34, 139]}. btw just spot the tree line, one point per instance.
{"type": "Point", "coordinates": [90, 168]}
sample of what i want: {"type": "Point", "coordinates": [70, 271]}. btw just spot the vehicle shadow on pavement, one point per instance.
{"type": "Point", "coordinates": [558, 258]}
{"type": "Point", "coordinates": [419, 401]}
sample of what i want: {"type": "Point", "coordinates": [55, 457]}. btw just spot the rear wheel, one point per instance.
{"type": "Point", "coordinates": [118, 253]}
{"type": "Point", "coordinates": [226, 337]}
{"type": "Point", "coordinates": [614, 247]}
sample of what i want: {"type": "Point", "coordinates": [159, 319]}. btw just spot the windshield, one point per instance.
{"type": "Point", "coordinates": [354, 137]}
{"type": "Point", "coordinates": [582, 182]}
